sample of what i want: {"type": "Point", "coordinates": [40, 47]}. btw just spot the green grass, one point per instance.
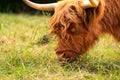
{"type": "Point", "coordinates": [27, 53]}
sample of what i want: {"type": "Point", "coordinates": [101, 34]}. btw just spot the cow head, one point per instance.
{"type": "Point", "coordinates": [75, 24]}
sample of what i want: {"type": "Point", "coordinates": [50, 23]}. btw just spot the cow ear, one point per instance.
{"type": "Point", "coordinates": [100, 9]}
{"type": "Point", "coordinates": [94, 14]}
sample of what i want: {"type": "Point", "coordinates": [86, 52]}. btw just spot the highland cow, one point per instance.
{"type": "Point", "coordinates": [77, 27]}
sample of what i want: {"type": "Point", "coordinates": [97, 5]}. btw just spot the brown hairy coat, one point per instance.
{"type": "Point", "coordinates": [77, 29]}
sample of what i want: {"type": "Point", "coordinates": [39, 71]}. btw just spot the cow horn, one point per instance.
{"type": "Point", "coordinates": [90, 3]}
{"type": "Point", "coordinates": [47, 7]}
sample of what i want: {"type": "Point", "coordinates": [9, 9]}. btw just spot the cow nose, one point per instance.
{"type": "Point", "coordinates": [66, 56]}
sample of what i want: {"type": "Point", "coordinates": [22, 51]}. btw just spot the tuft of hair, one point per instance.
{"type": "Point", "coordinates": [69, 13]}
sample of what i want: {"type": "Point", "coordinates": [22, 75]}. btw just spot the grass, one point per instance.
{"type": "Point", "coordinates": [27, 53]}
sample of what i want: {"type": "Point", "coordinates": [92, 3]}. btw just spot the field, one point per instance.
{"type": "Point", "coordinates": [27, 53]}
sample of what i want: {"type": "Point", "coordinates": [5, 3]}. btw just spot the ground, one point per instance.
{"type": "Point", "coordinates": [27, 53]}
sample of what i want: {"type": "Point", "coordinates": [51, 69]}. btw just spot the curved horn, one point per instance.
{"type": "Point", "coordinates": [90, 3]}
{"type": "Point", "coordinates": [47, 7]}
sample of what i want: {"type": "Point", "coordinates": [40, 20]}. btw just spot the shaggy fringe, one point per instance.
{"type": "Point", "coordinates": [69, 13]}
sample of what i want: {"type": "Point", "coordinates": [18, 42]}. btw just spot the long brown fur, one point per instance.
{"type": "Point", "coordinates": [77, 29]}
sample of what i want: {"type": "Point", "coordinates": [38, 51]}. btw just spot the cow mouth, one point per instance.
{"type": "Point", "coordinates": [66, 55]}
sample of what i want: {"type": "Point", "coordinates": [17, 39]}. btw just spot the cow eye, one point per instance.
{"type": "Point", "coordinates": [72, 28]}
